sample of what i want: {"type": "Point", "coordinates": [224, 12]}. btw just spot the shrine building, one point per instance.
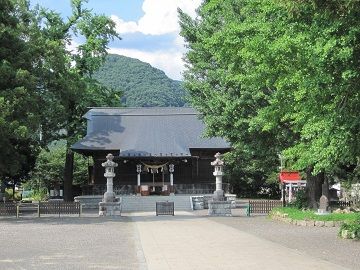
{"type": "Point", "coordinates": [158, 150]}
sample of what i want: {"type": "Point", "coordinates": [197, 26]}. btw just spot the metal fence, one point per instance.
{"type": "Point", "coordinates": [263, 206]}
{"type": "Point", "coordinates": [164, 208]}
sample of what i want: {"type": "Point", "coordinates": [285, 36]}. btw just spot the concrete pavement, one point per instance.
{"type": "Point", "coordinates": [187, 242]}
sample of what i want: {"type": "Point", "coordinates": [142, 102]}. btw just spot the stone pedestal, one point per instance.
{"type": "Point", "coordinates": [109, 208]}
{"type": "Point", "coordinates": [220, 208]}
{"type": "Point", "coordinates": [197, 202]}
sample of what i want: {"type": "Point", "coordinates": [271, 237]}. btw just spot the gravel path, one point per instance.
{"type": "Point", "coordinates": [318, 242]}
{"type": "Point", "coordinates": [70, 243]}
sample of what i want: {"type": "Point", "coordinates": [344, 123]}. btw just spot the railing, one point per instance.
{"type": "Point", "coordinates": [8, 209]}
{"type": "Point", "coordinates": [164, 208]}
{"type": "Point", "coordinates": [41, 208]}
{"type": "Point", "coordinates": [263, 206]}
{"type": "Point", "coordinates": [202, 188]}
{"type": "Point", "coordinates": [118, 190]}
{"type": "Point", "coordinates": [341, 204]}
{"type": "Point", "coordinates": [58, 208]}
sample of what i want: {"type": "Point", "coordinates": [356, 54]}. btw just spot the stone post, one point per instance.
{"type": "Point", "coordinates": [218, 173]}
{"type": "Point", "coordinates": [171, 170]}
{"type": "Point", "coordinates": [138, 170]}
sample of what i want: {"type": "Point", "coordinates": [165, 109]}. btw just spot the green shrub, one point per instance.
{"type": "Point", "coordinates": [40, 195]}
{"type": "Point", "coordinates": [9, 194]}
{"type": "Point", "coordinates": [300, 201]}
{"type": "Point", "coordinates": [350, 230]}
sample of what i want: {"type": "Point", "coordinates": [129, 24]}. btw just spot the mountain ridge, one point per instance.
{"type": "Point", "coordinates": [142, 84]}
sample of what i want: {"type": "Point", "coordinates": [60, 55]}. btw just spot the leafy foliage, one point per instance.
{"type": "Point", "coordinates": [278, 76]}
{"type": "Point", "coordinates": [143, 85]}
{"type": "Point", "coordinates": [350, 229]}
{"type": "Point", "coordinates": [49, 168]}
{"type": "Point", "coordinates": [45, 88]}
{"type": "Point", "coordinates": [300, 201]}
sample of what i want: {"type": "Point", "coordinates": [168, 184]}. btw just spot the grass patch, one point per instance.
{"type": "Point", "coordinates": [298, 214]}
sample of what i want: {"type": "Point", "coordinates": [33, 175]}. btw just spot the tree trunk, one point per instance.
{"type": "Point", "coordinates": [2, 190]}
{"type": "Point", "coordinates": [68, 175]}
{"type": "Point", "coordinates": [314, 187]}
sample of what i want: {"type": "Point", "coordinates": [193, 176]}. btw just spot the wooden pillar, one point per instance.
{"type": "Point", "coordinates": [138, 170]}
{"type": "Point", "coordinates": [283, 193]}
{"type": "Point", "coordinates": [171, 170]}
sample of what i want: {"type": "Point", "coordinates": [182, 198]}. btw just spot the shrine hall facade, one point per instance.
{"type": "Point", "coordinates": [158, 150]}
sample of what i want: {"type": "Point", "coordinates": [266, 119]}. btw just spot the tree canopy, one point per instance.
{"type": "Point", "coordinates": [45, 86]}
{"type": "Point", "coordinates": [142, 84]}
{"type": "Point", "coordinates": [278, 77]}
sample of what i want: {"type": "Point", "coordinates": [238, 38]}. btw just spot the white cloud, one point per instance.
{"type": "Point", "coordinates": [160, 17]}
{"type": "Point", "coordinates": [168, 61]}
{"type": "Point", "coordinates": [123, 27]}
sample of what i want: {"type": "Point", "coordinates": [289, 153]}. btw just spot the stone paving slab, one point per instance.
{"type": "Point", "coordinates": [189, 242]}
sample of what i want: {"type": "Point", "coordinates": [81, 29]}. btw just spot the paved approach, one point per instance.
{"type": "Point", "coordinates": [145, 241]}
{"type": "Point", "coordinates": [185, 242]}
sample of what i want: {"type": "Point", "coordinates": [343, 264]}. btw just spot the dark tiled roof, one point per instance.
{"type": "Point", "coordinates": [146, 131]}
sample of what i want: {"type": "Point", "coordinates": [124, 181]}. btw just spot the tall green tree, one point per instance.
{"type": "Point", "coordinates": [45, 86]}
{"type": "Point", "coordinates": [19, 107]}
{"type": "Point", "coordinates": [274, 76]}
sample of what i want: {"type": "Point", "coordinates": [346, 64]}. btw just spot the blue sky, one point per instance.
{"type": "Point", "coordinates": [149, 28]}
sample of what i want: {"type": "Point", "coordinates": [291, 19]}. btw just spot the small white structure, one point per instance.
{"type": "Point", "coordinates": [291, 181]}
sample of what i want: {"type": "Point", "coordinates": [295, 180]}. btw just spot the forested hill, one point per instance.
{"type": "Point", "coordinates": [142, 84]}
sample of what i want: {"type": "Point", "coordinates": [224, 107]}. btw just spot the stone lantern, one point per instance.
{"type": "Point", "coordinates": [219, 206]}
{"type": "Point", "coordinates": [218, 173]}
{"type": "Point", "coordinates": [109, 166]}
{"type": "Point", "coordinates": [109, 206]}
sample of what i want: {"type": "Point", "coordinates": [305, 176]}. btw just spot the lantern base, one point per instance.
{"type": "Point", "coordinates": [219, 195]}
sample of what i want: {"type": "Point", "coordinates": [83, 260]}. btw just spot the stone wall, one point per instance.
{"type": "Point", "coordinates": [219, 208]}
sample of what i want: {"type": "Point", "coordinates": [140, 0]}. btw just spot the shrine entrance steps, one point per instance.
{"type": "Point", "coordinates": [148, 203]}
{"type": "Point", "coordinates": [138, 203]}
